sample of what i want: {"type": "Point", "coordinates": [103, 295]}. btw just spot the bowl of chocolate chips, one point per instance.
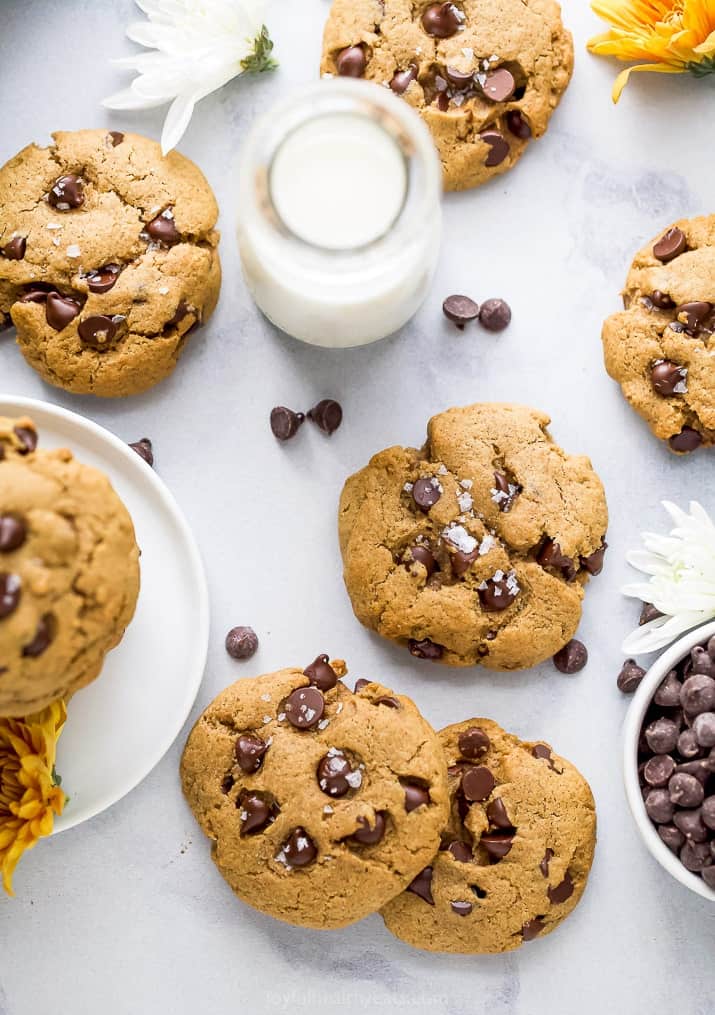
{"type": "Point", "coordinates": [669, 760]}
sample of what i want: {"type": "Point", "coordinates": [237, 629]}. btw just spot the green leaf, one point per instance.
{"type": "Point", "coordinates": [260, 59]}
{"type": "Point", "coordinates": [703, 68]}
{"type": "Point", "coordinates": [56, 779]}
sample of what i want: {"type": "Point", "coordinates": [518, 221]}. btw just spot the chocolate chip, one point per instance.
{"type": "Point", "coordinates": [461, 851]}
{"type": "Point", "coordinates": [561, 892]}
{"type": "Point", "coordinates": [668, 378]}
{"type": "Point", "coordinates": [550, 555]}
{"type": "Point", "coordinates": [15, 248]}
{"type": "Point", "coordinates": [285, 423]}
{"type": "Point", "coordinates": [99, 331]}
{"type": "Point", "coordinates": [351, 62]}
{"type": "Point", "coordinates": [499, 85]}
{"type": "Point", "coordinates": [370, 835]}
{"type": "Point", "coordinates": [661, 300]}
{"type": "Point", "coordinates": [35, 294]}
{"type": "Point", "coordinates": [648, 613]}
{"type": "Point", "coordinates": [42, 639]}
{"type": "Point", "coordinates": [304, 708]}
{"type": "Point", "coordinates": [707, 813]}
{"type": "Point", "coordinates": [693, 314]}
{"type": "Point", "coordinates": [425, 649]}
{"type": "Point", "coordinates": [670, 245]}
{"type": "Point", "coordinates": [685, 441]}
{"type": "Point", "coordinates": [594, 562]}
{"type": "Point", "coordinates": [415, 796]}
{"type": "Point", "coordinates": [695, 856]}
{"type": "Point", "coordinates": [479, 892]}
{"type": "Point", "coordinates": [10, 589]}
{"type": "Point", "coordinates": [460, 310]}
{"type": "Point", "coordinates": [67, 192]}
{"type": "Point", "coordinates": [298, 850]}
{"type": "Point", "coordinates": [688, 745]}
{"type": "Point", "coordinates": [256, 813]}
{"type": "Point", "coordinates": [543, 753]}
{"type": "Point", "coordinates": [402, 79]}
{"type": "Point", "coordinates": [704, 729]}
{"type": "Point", "coordinates": [359, 684]}
{"type": "Point", "coordinates": [461, 908]}
{"type": "Point", "coordinates": [115, 137]}
{"type": "Point", "coordinates": [497, 815]}
{"type": "Point", "coordinates": [183, 310]}
{"type": "Point", "coordinates": [241, 642]}
{"type": "Point", "coordinates": [658, 770]}
{"type": "Point", "coordinates": [662, 735]}
{"type": "Point", "coordinates": [703, 663]}
{"type": "Point", "coordinates": [518, 125]}
{"type": "Point", "coordinates": [421, 554]}
{"type": "Point", "coordinates": [544, 864]}
{"type": "Point", "coordinates": [60, 310]}
{"type": "Point", "coordinates": [659, 806]}
{"type": "Point", "coordinates": [422, 885]}
{"type": "Point", "coordinates": [101, 280]}
{"type": "Point", "coordinates": [473, 743]}
{"type": "Point", "coordinates": [499, 149]}
{"type": "Point", "coordinates": [162, 229]}
{"type": "Point", "coordinates": [697, 694]}
{"type": "Point", "coordinates": [630, 676]}
{"type": "Point", "coordinates": [532, 929]}
{"type": "Point", "coordinates": [572, 657]}
{"type": "Point", "coordinates": [442, 21]}
{"type": "Point", "coordinates": [505, 492]}
{"type": "Point", "coordinates": [498, 593]}
{"type": "Point", "coordinates": [335, 774]}
{"type": "Point", "coordinates": [327, 415]}
{"type": "Point", "coordinates": [13, 533]}
{"type": "Point", "coordinates": [462, 562]}
{"type": "Point", "coordinates": [671, 836]}
{"type": "Point", "coordinates": [494, 315]}
{"type": "Point", "coordinates": [27, 437]}
{"type": "Point", "coordinates": [321, 674]}
{"type": "Point", "coordinates": [477, 783]}
{"type": "Point", "coordinates": [685, 790]}
{"type": "Point", "coordinates": [426, 493]}
{"type": "Point", "coordinates": [387, 701]}
{"type": "Point", "coordinates": [249, 751]}
{"type": "Point", "coordinates": [691, 824]}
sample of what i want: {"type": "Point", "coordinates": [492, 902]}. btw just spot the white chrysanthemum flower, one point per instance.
{"type": "Point", "coordinates": [681, 585]}
{"type": "Point", "coordinates": [198, 46]}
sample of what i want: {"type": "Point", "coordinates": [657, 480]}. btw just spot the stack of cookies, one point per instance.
{"type": "Point", "coordinates": [325, 805]}
{"type": "Point", "coordinates": [69, 571]}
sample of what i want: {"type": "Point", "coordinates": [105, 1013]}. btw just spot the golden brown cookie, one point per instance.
{"type": "Point", "coordinates": [108, 258]}
{"type": "Point", "coordinates": [476, 548]}
{"type": "Point", "coordinates": [69, 571]}
{"type": "Point", "coordinates": [485, 75]}
{"type": "Point", "coordinates": [515, 855]}
{"type": "Point", "coordinates": [321, 804]}
{"type": "Point", "coordinates": [661, 348]}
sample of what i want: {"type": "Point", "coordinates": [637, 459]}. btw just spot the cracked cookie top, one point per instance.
{"type": "Point", "coordinates": [108, 259]}
{"type": "Point", "coordinates": [476, 548]}
{"type": "Point", "coordinates": [485, 75]}
{"type": "Point", "coordinates": [661, 348]}
{"type": "Point", "coordinates": [321, 804]}
{"type": "Point", "coordinates": [516, 852]}
{"type": "Point", "coordinates": [69, 571]}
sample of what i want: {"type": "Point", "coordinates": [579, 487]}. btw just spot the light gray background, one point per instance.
{"type": "Point", "coordinates": [127, 914]}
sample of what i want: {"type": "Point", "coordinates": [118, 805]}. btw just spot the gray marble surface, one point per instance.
{"type": "Point", "coordinates": [126, 914]}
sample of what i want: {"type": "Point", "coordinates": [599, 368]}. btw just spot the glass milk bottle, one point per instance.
{"type": "Point", "coordinates": [339, 215]}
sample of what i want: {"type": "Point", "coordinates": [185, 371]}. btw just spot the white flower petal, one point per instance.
{"type": "Point", "coordinates": [128, 99]}
{"type": "Point", "coordinates": [176, 122]}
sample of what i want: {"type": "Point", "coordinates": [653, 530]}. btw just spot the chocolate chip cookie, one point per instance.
{"type": "Point", "coordinates": [108, 259]}
{"type": "Point", "coordinates": [476, 548]}
{"type": "Point", "coordinates": [69, 571]}
{"type": "Point", "coordinates": [485, 75]}
{"type": "Point", "coordinates": [661, 348]}
{"type": "Point", "coordinates": [322, 804]}
{"type": "Point", "coordinates": [515, 855]}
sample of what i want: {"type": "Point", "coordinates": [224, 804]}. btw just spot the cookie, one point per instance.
{"type": "Point", "coordinates": [321, 804]}
{"type": "Point", "coordinates": [476, 548]}
{"type": "Point", "coordinates": [108, 259]}
{"type": "Point", "coordinates": [485, 75]}
{"type": "Point", "coordinates": [69, 571]}
{"type": "Point", "coordinates": [515, 855]}
{"type": "Point", "coordinates": [661, 348]}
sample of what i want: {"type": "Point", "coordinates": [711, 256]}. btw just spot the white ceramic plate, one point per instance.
{"type": "Point", "coordinates": [123, 724]}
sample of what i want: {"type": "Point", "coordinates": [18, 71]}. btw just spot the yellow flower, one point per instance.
{"type": "Point", "coordinates": [29, 797]}
{"type": "Point", "coordinates": [672, 36]}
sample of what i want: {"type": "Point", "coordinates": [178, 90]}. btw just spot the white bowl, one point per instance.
{"type": "Point", "coordinates": [634, 721]}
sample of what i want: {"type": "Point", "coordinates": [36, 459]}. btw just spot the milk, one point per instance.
{"type": "Point", "coordinates": [339, 217]}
